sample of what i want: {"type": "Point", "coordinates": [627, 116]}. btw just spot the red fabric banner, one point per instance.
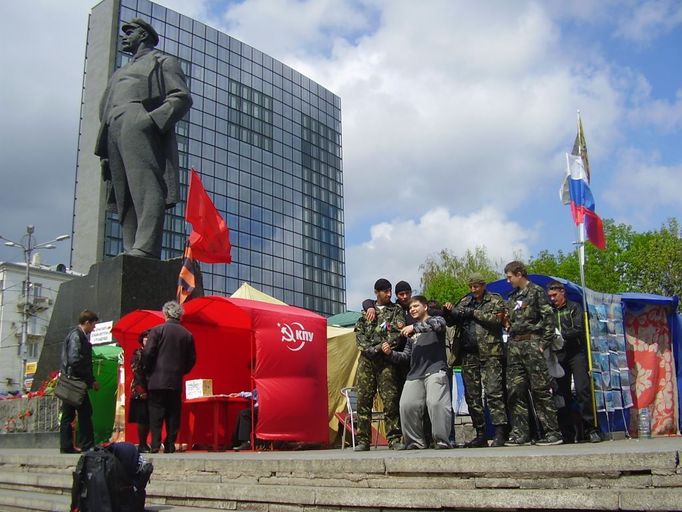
{"type": "Point", "coordinates": [290, 374]}
{"type": "Point", "coordinates": [650, 357]}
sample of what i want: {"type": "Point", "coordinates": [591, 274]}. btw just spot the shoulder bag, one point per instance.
{"type": "Point", "coordinates": [71, 391]}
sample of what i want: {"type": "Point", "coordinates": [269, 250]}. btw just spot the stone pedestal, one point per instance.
{"type": "Point", "coordinates": [112, 288]}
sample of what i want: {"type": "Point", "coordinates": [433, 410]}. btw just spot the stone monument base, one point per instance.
{"type": "Point", "coordinates": [112, 288]}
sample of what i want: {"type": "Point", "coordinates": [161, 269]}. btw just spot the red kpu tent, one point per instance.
{"type": "Point", "coordinates": [244, 344]}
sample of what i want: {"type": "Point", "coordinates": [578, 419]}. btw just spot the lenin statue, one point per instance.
{"type": "Point", "coordinates": [136, 142]}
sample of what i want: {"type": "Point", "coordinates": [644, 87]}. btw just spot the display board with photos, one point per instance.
{"type": "Point", "coordinates": [610, 372]}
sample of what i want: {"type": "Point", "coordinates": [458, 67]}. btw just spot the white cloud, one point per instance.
{"type": "Point", "coordinates": [197, 9]}
{"type": "Point", "coordinates": [397, 248]}
{"type": "Point", "coordinates": [643, 185]}
{"type": "Point", "coordinates": [646, 21]}
{"type": "Point", "coordinates": [294, 27]}
{"type": "Point", "coordinates": [444, 106]}
{"type": "Point", "coordinates": [661, 113]}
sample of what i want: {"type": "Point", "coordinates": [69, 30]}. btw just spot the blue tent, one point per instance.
{"type": "Point", "coordinates": [631, 303]}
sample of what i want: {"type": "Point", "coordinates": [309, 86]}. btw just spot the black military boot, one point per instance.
{"type": "Point", "coordinates": [500, 436]}
{"type": "Point", "coordinates": [479, 441]}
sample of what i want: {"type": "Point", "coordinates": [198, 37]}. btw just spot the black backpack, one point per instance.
{"type": "Point", "coordinates": [104, 483]}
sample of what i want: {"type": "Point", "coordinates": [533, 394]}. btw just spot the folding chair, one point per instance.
{"type": "Point", "coordinates": [349, 418]}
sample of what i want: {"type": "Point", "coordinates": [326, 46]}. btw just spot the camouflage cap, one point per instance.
{"type": "Point", "coordinates": [476, 278]}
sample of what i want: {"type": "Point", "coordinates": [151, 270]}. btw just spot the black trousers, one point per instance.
{"type": "Point", "coordinates": [242, 431]}
{"type": "Point", "coordinates": [165, 406]}
{"type": "Point", "coordinates": [574, 363]}
{"type": "Point", "coordinates": [85, 429]}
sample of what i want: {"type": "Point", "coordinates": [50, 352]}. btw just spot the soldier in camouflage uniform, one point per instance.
{"type": "Point", "coordinates": [480, 315]}
{"type": "Point", "coordinates": [375, 369]}
{"type": "Point", "coordinates": [531, 328]}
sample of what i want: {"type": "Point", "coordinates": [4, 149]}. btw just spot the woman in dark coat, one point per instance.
{"type": "Point", "coordinates": [138, 411]}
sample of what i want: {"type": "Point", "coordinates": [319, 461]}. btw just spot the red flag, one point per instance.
{"type": "Point", "coordinates": [210, 237]}
{"type": "Point", "coordinates": [186, 279]}
{"type": "Point", "coordinates": [594, 228]}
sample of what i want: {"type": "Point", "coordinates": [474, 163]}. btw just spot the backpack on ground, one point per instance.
{"type": "Point", "coordinates": [107, 479]}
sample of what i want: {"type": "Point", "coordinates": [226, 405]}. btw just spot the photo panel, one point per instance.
{"type": "Point", "coordinates": [614, 361]}
{"type": "Point", "coordinates": [622, 360]}
{"type": "Point", "coordinates": [599, 399]}
{"type": "Point", "coordinates": [597, 380]}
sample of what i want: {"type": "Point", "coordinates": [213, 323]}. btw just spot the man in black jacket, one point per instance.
{"type": "Point", "coordinates": [169, 354]}
{"type": "Point", "coordinates": [77, 364]}
{"type": "Point", "coordinates": [573, 359]}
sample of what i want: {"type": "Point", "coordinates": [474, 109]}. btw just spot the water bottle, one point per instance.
{"type": "Point", "coordinates": [644, 425]}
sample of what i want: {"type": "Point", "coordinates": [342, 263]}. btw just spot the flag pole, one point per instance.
{"type": "Point", "coordinates": [581, 266]}
{"type": "Point", "coordinates": [181, 293]}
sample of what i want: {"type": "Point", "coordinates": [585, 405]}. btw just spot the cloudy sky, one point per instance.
{"type": "Point", "coordinates": [456, 116]}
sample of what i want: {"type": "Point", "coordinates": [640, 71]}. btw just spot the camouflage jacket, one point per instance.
{"type": "Point", "coordinates": [385, 327]}
{"type": "Point", "coordinates": [530, 312]}
{"type": "Point", "coordinates": [483, 332]}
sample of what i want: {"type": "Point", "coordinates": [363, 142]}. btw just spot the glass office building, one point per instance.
{"type": "Point", "coordinates": [266, 141]}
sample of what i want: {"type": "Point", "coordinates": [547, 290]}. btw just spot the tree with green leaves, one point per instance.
{"type": "Point", "coordinates": [648, 262]}
{"type": "Point", "coordinates": [445, 275]}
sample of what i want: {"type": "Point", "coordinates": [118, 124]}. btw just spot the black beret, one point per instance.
{"type": "Point", "coordinates": [382, 284]}
{"type": "Point", "coordinates": [403, 286]}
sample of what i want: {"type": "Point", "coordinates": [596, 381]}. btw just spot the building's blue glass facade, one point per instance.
{"type": "Point", "coordinates": [267, 143]}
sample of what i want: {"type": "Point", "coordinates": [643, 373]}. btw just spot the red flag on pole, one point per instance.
{"type": "Point", "coordinates": [210, 237]}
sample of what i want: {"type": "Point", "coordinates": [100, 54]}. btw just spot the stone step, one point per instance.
{"type": "Point", "coordinates": [179, 497]}
{"type": "Point", "coordinates": [26, 501]}
{"type": "Point", "coordinates": [515, 462]}
{"type": "Point", "coordinates": [23, 501]}
{"type": "Point", "coordinates": [609, 476]}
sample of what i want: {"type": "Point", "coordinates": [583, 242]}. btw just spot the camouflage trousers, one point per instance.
{"type": "Point", "coordinates": [527, 371]}
{"type": "Point", "coordinates": [378, 375]}
{"type": "Point", "coordinates": [479, 373]}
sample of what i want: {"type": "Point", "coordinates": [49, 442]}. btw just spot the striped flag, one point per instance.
{"type": "Point", "coordinates": [186, 279]}
{"type": "Point", "coordinates": [575, 191]}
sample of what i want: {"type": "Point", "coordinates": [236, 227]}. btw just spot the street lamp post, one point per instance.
{"type": "Point", "coordinates": [28, 245]}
